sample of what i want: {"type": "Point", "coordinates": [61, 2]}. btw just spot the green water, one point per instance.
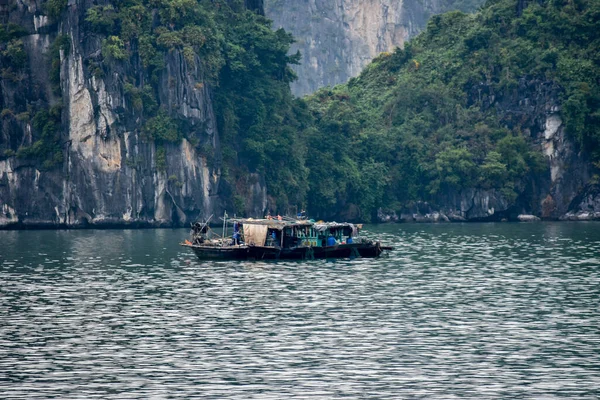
{"type": "Point", "coordinates": [455, 311]}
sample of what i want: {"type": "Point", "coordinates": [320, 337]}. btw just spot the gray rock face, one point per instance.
{"type": "Point", "coordinates": [109, 175]}
{"type": "Point", "coordinates": [569, 170]}
{"type": "Point", "coordinates": [537, 103]}
{"type": "Point", "coordinates": [467, 205]}
{"type": "Point", "coordinates": [586, 206]}
{"type": "Point", "coordinates": [554, 195]}
{"type": "Point", "coordinates": [339, 38]}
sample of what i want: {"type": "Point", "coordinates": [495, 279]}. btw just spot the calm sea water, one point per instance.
{"type": "Point", "coordinates": [455, 311]}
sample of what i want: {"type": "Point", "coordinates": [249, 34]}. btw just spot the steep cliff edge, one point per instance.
{"type": "Point", "coordinates": [339, 38]}
{"type": "Point", "coordinates": [107, 130]}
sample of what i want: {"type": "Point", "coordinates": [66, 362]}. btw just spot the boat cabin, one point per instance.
{"type": "Point", "coordinates": [332, 233]}
{"type": "Point", "coordinates": [293, 234]}
{"type": "Point", "coordinates": [282, 234]}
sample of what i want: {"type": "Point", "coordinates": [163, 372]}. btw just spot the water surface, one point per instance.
{"type": "Point", "coordinates": [455, 311]}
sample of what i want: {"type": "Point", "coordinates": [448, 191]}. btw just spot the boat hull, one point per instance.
{"type": "Point", "coordinates": [233, 252]}
{"type": "Point", "coordinates": [367, 250]}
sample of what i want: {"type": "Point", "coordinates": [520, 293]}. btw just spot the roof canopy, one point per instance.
{"type": "Point", "coordinates": [272, 223]}
{"type": "Point", "coordinates": [289, 223]}
{"type": "Point", "coordinates": [333, 225]}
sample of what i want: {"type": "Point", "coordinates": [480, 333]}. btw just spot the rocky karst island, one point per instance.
{"type": "Point", "coordinates": [153, 113]}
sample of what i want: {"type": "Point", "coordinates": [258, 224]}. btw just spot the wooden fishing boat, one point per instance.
{"type": "Point", "coordinates": [329, 240]}
{"type": "Point", "coordinates": [268, 239]}
{"type": "Point", "coordinates": [206, 244]}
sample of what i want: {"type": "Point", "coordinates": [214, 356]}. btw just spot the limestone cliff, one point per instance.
{"type": "Point", "coordinates": [339, 38]}
{"type": "Point", "coordinates": [105, 172]}
{"type": "Point", "coordinates": [566, 192]}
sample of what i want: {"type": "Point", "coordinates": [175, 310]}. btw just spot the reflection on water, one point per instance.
{"type": "Point", "coordinates": [473, 310]}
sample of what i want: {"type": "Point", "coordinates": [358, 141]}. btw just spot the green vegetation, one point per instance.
{"type": "Point", "coordinates": [113, 49]}
{"type": "Point", "coordinates": [163, 128]}
{"type": "Point", "coordinates": [460, 5]}
{"type": "Point", "coordinates": [7, 112]}
{"type": "Point", "coordinates": [11, 31]}
{"type": "Point", "coordinates": [429, 120]}
{"type": "Point", "coordinates": [142, 100]}
{"type": "Point", "coordinates": [261, 126]}
{"type": "Point", "coordinates": [15, 54]}
{"type": "Point", "coordinates": [47, 148]}
{"type": "Point", "coordinates": [13, 57]}
{"type": "Point", "coordinates": [183, 25]}
{"type": "Point", "coordinates": [102, 19]}
{"type": "Point", "coordinates": [161, 158]}
{"type": "Point", "coordinates": [54, 8]}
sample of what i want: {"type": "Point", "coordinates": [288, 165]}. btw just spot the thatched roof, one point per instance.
{"type": "Point", "coordinates": [272, 223]}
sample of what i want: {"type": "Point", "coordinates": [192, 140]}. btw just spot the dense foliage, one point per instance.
{"type": "Point", "coordinates": [260, 124]}
{"type": "Point", "coordinates": [434, 118]}
{"type": "Point", "coordinates": [47, 146]}
{"type": "Point", "coordinates": [13, 57]}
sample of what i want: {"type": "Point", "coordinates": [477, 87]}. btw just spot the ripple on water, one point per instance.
{"type": "Point", "coordinates": [479, 311]}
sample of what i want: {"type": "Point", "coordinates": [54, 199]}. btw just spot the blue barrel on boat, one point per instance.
{"type": "Point", "coordinates": [330, 241]}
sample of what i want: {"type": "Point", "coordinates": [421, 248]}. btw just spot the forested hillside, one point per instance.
{"type": "Point", "coordinates": [475, 104]}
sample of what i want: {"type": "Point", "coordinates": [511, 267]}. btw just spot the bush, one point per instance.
{"type": "Point", "coordinates": [102, 19]}
{"type": "Point", "coordinates": [169, 40]}
{"type": "Point", "coordinates": [493, 171]}
{"type": "Point", "coordinates": [11, 31]}
{"type": "Point", "coordinates": [15, 53]}
{"type": "Point", "coordinates": [23, 117]}
{"type": "Point", "coordinates": [113, 49]}
{"type": "Point", "coordinates": [7, 112]}
{"type": "Point", "coordinates": [46, 149]}
{"type": "Point", "coordinates": [9, 153]}
{"type": "Point", "coordinates": [161, 159]}
{"type": "Point", "coordinates": [54, 8]}
{"type": "Point", "coordinates": [163, 128]}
